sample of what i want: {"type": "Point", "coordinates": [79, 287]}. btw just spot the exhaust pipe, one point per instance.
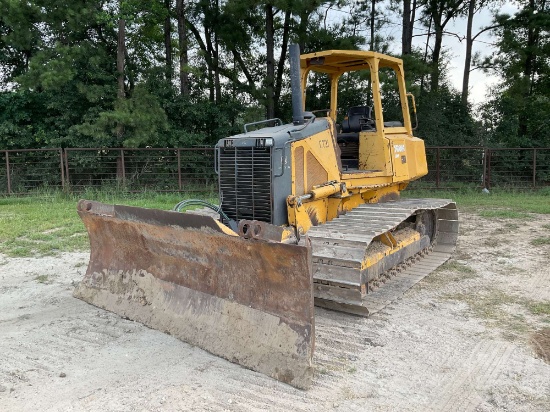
{"type": "Point", "coordinates": [296, 86]}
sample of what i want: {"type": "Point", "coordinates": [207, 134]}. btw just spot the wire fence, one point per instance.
{"type": "Point", "coordinates": [453, 166]}
{"type": "Point", "coordinates": [192, 169]}
{"type": "Point", "coordinates": [169, 170]}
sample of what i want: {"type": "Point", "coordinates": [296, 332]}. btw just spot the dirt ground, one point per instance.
{"type": "Point", "coordinates": [471, 336]}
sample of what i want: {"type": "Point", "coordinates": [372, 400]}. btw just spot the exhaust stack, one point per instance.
{"type": "Point", "coordinates": [296, 86]}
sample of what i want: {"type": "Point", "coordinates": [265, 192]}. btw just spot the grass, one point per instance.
{"type": "Point", "coordinates": [540, 241]}
{"type": "Point", "coordinates": [456, 266]}
{"type": "Point", "coordinates": [503, 214]}
{"type": "Point", "coordinates": [35, 226]}
{"type": "Point", "coordinates": [539, 308]}
{"type": "Point", "coordinates": [47, 223]}
{"type": "Point", "coordinates": [490, 304]}
{"type": "Point", "coordinates": [491, 242]}
{"type": "Point", "coordinates": [498, 204]}
{"type": "Point", "coordinates": [450, 271]}
{"type": "Point", "coordinates": [42, 279]}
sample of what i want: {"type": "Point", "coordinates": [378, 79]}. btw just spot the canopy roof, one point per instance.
{"type": "Point", "coordinates": [340, 61]}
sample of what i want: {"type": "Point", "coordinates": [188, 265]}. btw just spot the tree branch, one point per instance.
{"type": "Point", "coordinates": [250, 87]}
{"type": "Point", "coordinates": [483, 30]}
{"type": "Point", "coordinates": [243, 67]}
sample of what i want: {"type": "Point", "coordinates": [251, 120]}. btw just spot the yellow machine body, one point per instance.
{"type": "Point", "coordinates": [389, 157]}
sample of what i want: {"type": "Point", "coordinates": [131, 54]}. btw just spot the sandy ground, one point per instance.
{"type": "Point", "coordinates": [464, 338]}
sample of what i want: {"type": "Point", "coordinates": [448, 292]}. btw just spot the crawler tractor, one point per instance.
{"type": "Point", "coordinates": [309, 213]}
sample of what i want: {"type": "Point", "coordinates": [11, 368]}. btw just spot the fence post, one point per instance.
{"type": "Point", "coordinates": [437, 163]}
{"type": "Point", "coordinates": [123, 167]}
{"type": "Point", "coordinates": [534, 168]}
{"type": "Point", "coordinates": [62, 169]}
{"type": "Point", "coordinates": [8, 177]}
{"type": "Point", "coordinates": [484, 160]}
{"type": "Point", "coordinates": [67, 178]}
{"type": "Point", "coordinates": [179, 170]}
{"type": "Point", "coordinates": [488, 181]}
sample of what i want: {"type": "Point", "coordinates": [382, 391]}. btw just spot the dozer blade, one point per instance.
{"type": "Point", "coordinates": [248, 301]}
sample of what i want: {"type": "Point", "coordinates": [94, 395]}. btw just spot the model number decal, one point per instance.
{"type": "Point", "coordinates": [323, 144]}
{"type": "Point", "coordinates": [399, 148]}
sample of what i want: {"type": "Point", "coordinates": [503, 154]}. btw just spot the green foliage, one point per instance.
{"type": "Point", "coordinates": [517, 111]}
{"type": "Point", "coordinates": [25, 120]}
{"type": "Point", "coordinates": [59, 77]}
{"type": "Point", "coordinates": [136, 121]}
{"type": "Point", "coordinates": [19, 36]}
{"type": "Point", "coordinates": [443, 119]}
{"type": "Point", "coordinates": [199, 122]}
{"type": "Point", "coordinates": [504, 114]}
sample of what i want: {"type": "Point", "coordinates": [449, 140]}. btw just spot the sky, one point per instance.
{"type": "Point", "coordinates": [480, 82]}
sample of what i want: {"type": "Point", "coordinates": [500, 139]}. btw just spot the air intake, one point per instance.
{"type": "Point", "coordinates": [245, 182]}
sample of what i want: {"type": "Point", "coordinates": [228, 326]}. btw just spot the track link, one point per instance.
{"type": "Point", "coordinates": [339, 248]}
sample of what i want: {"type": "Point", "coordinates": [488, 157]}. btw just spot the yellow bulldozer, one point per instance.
{"type": "Point", "coordinates": [309, 213]}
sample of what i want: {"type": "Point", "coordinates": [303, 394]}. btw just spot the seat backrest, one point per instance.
{"type": "Point", "coordinates": [356, 120]}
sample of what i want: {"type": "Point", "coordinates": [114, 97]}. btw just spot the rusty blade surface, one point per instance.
{"type": "Point", "coordinates": [248, 301]}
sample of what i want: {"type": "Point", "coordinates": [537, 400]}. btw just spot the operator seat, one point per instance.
{"type": "Point", "coordinates": [359, 118]}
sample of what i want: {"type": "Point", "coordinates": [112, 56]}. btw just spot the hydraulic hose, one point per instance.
{"type": "Point", "coordinates": [198, 202]}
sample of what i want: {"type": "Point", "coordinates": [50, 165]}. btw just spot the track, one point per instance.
{"type": "Point", "coordinates": [339, 248]}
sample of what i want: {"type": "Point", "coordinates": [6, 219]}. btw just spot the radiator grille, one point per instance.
{"type": "Point", "coordinates": [245, 182]}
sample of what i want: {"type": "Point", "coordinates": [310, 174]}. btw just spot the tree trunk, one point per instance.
{"type": "Point", "coordinates": [434, 83]}
{"type": "Point", "coordinates": [372, 19]}
{"type": "Point", "coordinates": [121, 46]}
{"type": "Point", "coordinates": [182, 42]}
{"type": "Point", "coordinates": [302, 27]}
{"type": "Point", "coordinates": [468, 58]}
{"type": "Point", "coordinates": [129, 72]}
{"type": "Point", "coordinates": [270, 62]}
{"type": "Point", "coordinates": [210, 51]}
{"type": "Point", "coordinates": [406, 23]}
{"type": "Point", "coordinates": [120, 57]}
{"type": "Point", "coordinates": [426, 53]}
{"type": "Point", "coordinates": [282, 59]}
{"type": "Point", "coordinates": [532, 34]}
{"type": "Point", "coordinates": [409, 13]}
{"type": "Point", "coordinates": [168, 40]}
{"type": "Point", "coordinates": [411, 26]}
{"type": "Point", "coordinates": [532, 40]}
{"type": "Point", "coordinates": [217, 84]}
{"type": "Point", "coordinates": [442, 12]}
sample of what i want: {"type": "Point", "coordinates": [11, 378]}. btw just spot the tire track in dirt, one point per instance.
{"type": "Point", "coordinates": [538, 287]}
{"type": "Point", "coordinates": [46, 352]}
{"type": "Point", "coordinates": [251, 393]}
{"type": "Point", "coordinates": [430, 360]}
{"type": "Point", "coordinates": [466, 388]}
